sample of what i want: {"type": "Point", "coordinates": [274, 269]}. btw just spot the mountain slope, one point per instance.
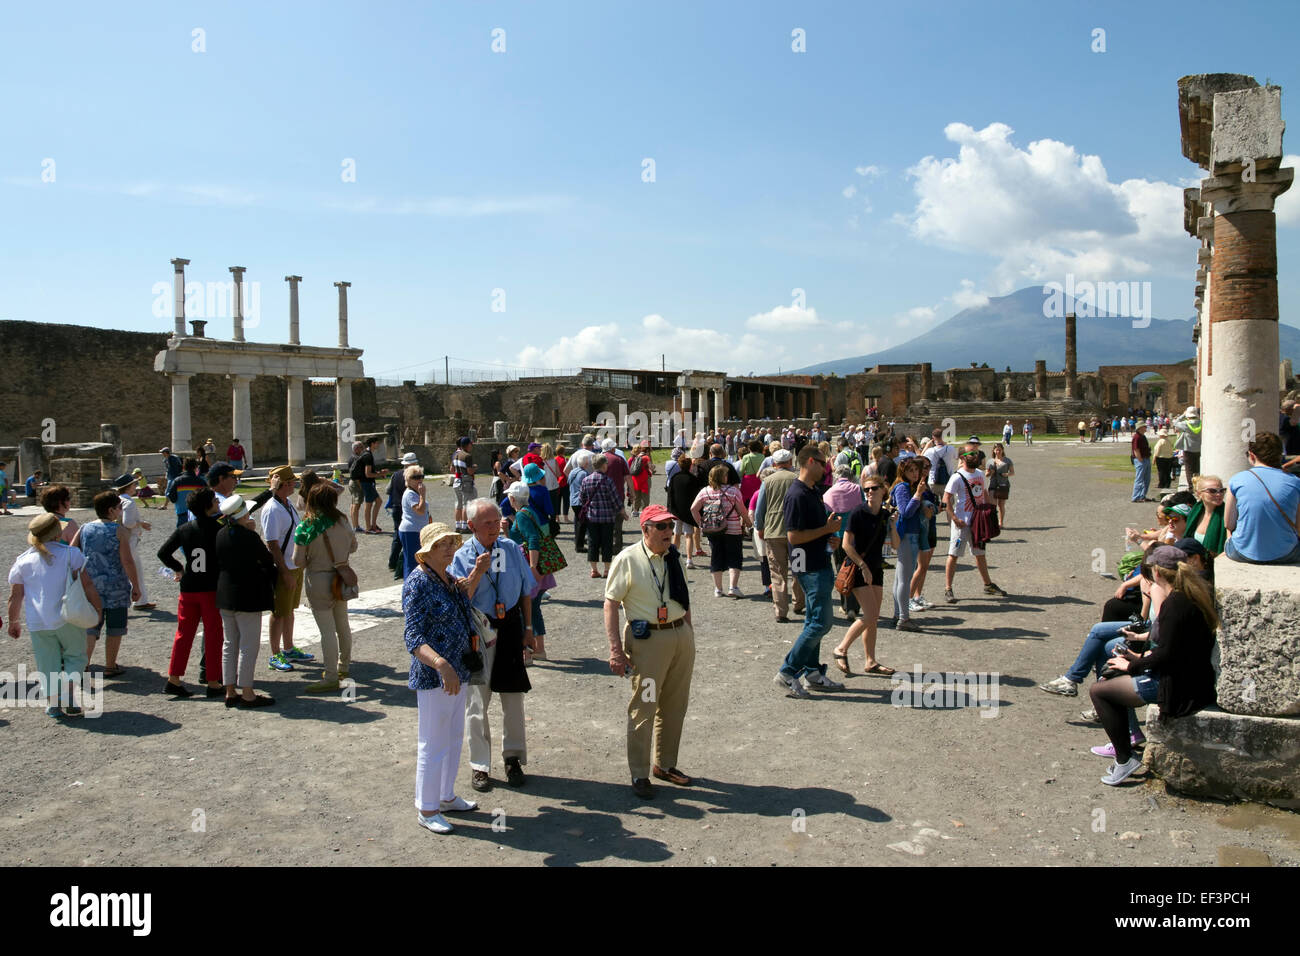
{"type": "Point", "coordinates": [1012, 330]}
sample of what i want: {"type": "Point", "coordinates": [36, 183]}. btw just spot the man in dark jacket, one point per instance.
{"type": "Point", "coordinates": [246, 575]}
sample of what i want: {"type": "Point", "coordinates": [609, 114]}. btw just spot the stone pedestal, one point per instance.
{"type": "Point", "coordinates": [1259, 638]}
{"type": "Point", "coordinates": [345, 425]}
{"type": "Point", "coordinates": [111, 464]}
{"type": "Point", "coordinates": [1227, 756]}
{"type": "Point", "coordinates": [501, 431]}
{"type": "Point", "coordinates": [181, 439]}
{"type": "Point", "coordinates": [30, 455]}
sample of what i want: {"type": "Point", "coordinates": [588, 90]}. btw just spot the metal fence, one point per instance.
{"type": "Point", "coordinates": [475, 376]}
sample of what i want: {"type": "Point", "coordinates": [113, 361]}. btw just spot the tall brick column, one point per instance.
{"type": "Point", "coordinates": [1233, 127]}
{"type": "Point", "coordinates": [1040, 379]}
{"type": "Point", "coordinates": [927, 381]}
{"type": "Point", "coordinates": [1071, 358]}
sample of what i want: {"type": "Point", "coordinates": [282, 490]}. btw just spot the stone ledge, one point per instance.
{"type": "Point", "coordinates": [1259, 640]}
{"type": "Point", "coordinates": [1227, 756]}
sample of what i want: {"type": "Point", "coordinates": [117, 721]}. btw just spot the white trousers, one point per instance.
{"type": "Point", "coordinates": [134, 542]}
{"type": "Point", "coordinates": [437, 756]}
{"type": "Point", "coordinates": [513, 742]}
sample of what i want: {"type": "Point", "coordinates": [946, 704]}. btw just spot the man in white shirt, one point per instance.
{"type": "Point", "coordinates": [965, 490]}
{"type": "Point", "coordinates": [125, 486]}
{"type": "Point", "coordinates": [279, 519]}
{"type": "Point", "coordinates": [940, 451]}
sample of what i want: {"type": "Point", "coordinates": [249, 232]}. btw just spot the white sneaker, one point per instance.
{"type": "Point", "coordinates": [457, 805]}
{"type": "Point", "coordinates": [1062, 686]}
{"type": "Point", "coordinates": [1119, 772]}
{"type": "Point", "coordinates": [792, 686]}
{"type": "Point", "coordinates": [735, 592]}
{"type": "Point", "coordinates": [437, 823]}
{"type": "Point", "coordinates": [914, 605]}
{"type": "Point", "coordinates": [822, 682]}
{"type": "Point", "coordinates": [689, 565]}
{"type": "Point", "coordinates": [1090, 715]}
{"type": "Point", "coordinates": [717, 592]}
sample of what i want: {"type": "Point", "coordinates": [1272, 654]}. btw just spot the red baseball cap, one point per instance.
{"type": "Point", "coordinates": [656, 513]}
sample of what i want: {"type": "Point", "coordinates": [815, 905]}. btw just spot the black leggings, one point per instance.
{"type": "Point", "coordinates": [600, 541]}
{"type": "Point", "coordinates": [1114, 698]}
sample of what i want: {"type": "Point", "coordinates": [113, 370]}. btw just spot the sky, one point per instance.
{"type": "Point", "coordinates": [512, 187]}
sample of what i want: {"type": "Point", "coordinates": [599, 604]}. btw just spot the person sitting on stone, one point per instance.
{"type": "Point", "coordinates": [1262, 508]}
{"type": "Point", "coordinates": [1174, 673]}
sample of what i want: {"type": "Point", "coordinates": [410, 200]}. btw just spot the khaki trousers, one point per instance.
{"type": "Point", "coordinates": [332, 622]}
{"type": "Point", "coordinates": [662, 665]}
{"type": "Point", "coordinates": [513, 742]}
{"type": "Point", "coordinates": [778, 563]}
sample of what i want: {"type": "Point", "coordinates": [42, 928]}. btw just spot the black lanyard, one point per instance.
{"type": "Point", "coordinates": [498, 605]}
{"type": "Point", "coordinates": [663, 605]}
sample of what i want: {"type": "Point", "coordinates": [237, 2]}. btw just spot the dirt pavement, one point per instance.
{"type": "Point", "coordinates": [847, 778]}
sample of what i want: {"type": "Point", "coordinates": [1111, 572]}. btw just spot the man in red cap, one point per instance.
{"type": "Point", "coordinates": [656, 646]}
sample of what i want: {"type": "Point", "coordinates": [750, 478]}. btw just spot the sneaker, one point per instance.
{"type": "Point", "coordinates": [717, 592]}
{"type": "Point", "coordinates": [294, 654]}
{"type": "Point", "coordinates": [277, 663]}
{"type": "Point", "coordinates": [822, 682]}
{"type": "Point", "coordinates": [322, 687]}
{"type": "Point", "coordinates": [690, 565]}
{"type": "Point", "coordinates": [792, 686]}
{"type": "Point", "coordinates": [949, 596]}
{"type": "Point", "coordinates": [1062, 686]}
{"type": "Point", "coordinates": [1119, 772]}
{"type": "Point", "coordinates": [992, 588]}
{"type": "Point", "coordinates": [735, 592]}
{"type": "Point", "coordinates": [1108, 750]}
{"type": "Point", "coordinates": [1090, 716]}
{"type": "Point", "coordinates": [925, 605]}
{"type": "Point", "coordinates": [907, 626]}
{"type": "Point", "coordinates": [914, 605]}
{"type": "Point", "coordinates": [437, 823]}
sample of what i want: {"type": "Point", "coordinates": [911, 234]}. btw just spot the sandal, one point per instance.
{"type": "Point", "coordinates": [842, 662]}
{"type": "Point", "coordinates": [116, 671]}
{"type": "Point", "coordinates": [879, 670]}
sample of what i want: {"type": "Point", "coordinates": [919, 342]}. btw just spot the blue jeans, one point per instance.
{"type": "Point", "coordinates": [1141, 477]}
{"type": "Point", "coordinates": [410, 544]}
{"type": "Point", "coordinates": [539, 626]}
{"type": "Point", "coordinates": [1096, 649]}
{"type": "Point", "coordinates": [805, 656]}
{"type": "Point", "coordinates": [1289, 558]}
{"type": "Point", "coordinates": [904, 568]}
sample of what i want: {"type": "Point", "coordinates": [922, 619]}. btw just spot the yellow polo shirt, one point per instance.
{"type": "Point", "coordinates": [631, 583]}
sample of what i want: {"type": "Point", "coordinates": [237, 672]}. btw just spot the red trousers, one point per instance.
{"type": "Point", "coordinates": [196, 606]}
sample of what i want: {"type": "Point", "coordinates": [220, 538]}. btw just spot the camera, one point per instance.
{"type": "Point", "coordinates": [640, 629]}
{"type": "Point", "coordinates": [473, 661]}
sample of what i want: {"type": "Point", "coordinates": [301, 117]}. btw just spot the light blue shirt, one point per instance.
{"type": "Point", "coordinates": [1261, 533]}
{"type": "Point", "coordinates": [411, 521]}
{"type": "Point", "coordinates": [507, 585]}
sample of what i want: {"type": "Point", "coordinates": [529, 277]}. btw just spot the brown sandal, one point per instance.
{"type": "Point", "coordinates": [842, 662]}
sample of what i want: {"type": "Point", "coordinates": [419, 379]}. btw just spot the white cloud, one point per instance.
{"type": "Point", "coordinates": [785, 318]}
{"type": "Point", "coordinates": [1288, 204]}
{"type": "Point", "coordinates": [1045, 210]}
{"type": "Point", "coordinates": [966, 297]}
{"type": "Point", "coordinates": [200, 194]}
{"type": "Point", "coordinates": [849, 192]}
{"type": "Point", "coordinates": [868, 171]}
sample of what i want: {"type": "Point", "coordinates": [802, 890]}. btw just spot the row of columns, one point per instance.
{"type": "Point", "coordinates": [241, 400]}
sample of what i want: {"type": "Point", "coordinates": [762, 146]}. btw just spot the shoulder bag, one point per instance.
{"type": "Point", "coordinates": [1285, 517]}
{"type": "Point", "coordinates": [77, 609]}
{"type": "Point", "coordinates": [984, 518]}
{"type": "Point", "coordinates": [345, 585]}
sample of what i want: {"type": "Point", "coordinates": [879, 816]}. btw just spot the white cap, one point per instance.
{"type": "Point", "coordinates": [781, 456]}
{"type": "Point", "coordinates": [235, 507]}
{"type": "Point", "coordinates": [1192, 412]}
{"type": "Point", "coordinates": [608, 444]}
{"type": "Point", "coordinates": [410, 459]}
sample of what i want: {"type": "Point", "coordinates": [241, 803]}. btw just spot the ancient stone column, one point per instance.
{"type": "Point", "coordinates": [1243, 156]}
{"type": "Point", "coordinates": [953, 388]}
{"type": "Point", "coordinates": [500, 432]}
{"type": "Point", "coordinates": [343, 327]}
{"type": "Point", "coordinates": [293, 309]}
{"type": "Point", "coordinates": [1071, 358]}
{"type": "Point", "coordinates": [178, 290]}
{"type": "Point", "coordinates": [1040, 379]}
{"type": "Point", "coordinates": [242, 416]}
{"type": "Point", "coordinates": [111, 465]}
{"type": "Point", "coordinates": [717, 405]}
{"type": "Point", "coordinates": [297, 423]}
{"type": "Point", "coordinates": [181, 439]}
{"type": "Point", "coordinates": [927, 381]}
{"type": "Point", "coordinates": [237, 304]}
{"type": "Point", "coordinates": [30, 453]}
{"type": "Point", "coordinates": [344, 425]}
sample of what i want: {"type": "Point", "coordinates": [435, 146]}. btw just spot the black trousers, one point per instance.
{"type": "Point", "coordinates": [1164, 468]}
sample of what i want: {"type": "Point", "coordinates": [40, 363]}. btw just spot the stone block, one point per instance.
{"type": "Point", "coordinates": [1227, 756]}
{"type": "Point", "coordinates": [1259, 638]}
{"type": "Point", "coordinates": [74, 471]}
{"type": "Point", "coordinates": [1247, 127]}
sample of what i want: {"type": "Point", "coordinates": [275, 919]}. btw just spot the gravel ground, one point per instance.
{"type": "Point", "coordinates": [848, 778]}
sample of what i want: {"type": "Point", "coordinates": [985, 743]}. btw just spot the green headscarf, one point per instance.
{"type": "Point", "coordinates": [311, 527]}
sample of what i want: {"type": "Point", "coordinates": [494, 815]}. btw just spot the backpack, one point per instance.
{"type": "Point", "coordinates": [713, 519]}
{"type": "Point", "coordinates": [984, 519]}
{"type": "Point", "coordinates": [638, 464]}
{"type": "Point", "coordinates": [854, 462]}
{"type": "Point", "coordinates": [941, 473]}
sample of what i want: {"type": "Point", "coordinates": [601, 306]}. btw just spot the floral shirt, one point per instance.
{"type": "Point", "coordinates": [439, 616]}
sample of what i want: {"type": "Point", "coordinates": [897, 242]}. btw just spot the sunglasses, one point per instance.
{"type": "Point", "coordinates": [659, 525]}
{"type": "Point", "coordinates": [871, 488]}
{"type": "Point", "coordinates": [1213, 491]}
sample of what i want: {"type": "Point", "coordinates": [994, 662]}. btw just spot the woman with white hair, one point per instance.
{"type": "Point", "coordinates": [580, 468]}
{"type": "Point", "coordinates": [245, 589]}
{"type": "Point", "coordinates": [38, 581]}
{"type": "Point", "coordinates": [527, 531]}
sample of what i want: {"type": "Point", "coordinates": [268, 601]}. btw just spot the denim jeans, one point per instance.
{"type": "Point", "coordinates": [1141, 477]}
{"type": "Point", "coordinates": [1095, 649]}
{"type": "Point", "coordinates": [904, 568]}
{"type": "Point", "coordinates": [1290, 558]}
{"type": "Point", "coordinates": [805, 656]}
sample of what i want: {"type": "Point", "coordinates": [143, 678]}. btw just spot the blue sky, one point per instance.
{"type": "Point", "coordinates": [887, 171]}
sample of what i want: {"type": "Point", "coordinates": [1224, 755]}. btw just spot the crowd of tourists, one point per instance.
{"type": "Point", "coordinates": [824, 515]}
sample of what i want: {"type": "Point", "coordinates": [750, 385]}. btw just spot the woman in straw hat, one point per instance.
{"type": "Point", "coordinates": [39, 579]}
{"type": "Point", "coordinates": [439, 634]}
{"type": "Point", "coordinates": [245, 588]}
